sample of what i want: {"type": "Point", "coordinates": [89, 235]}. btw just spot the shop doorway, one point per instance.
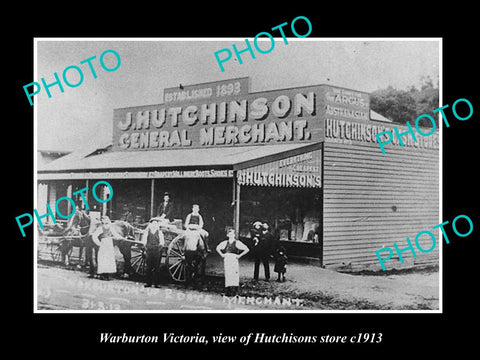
{"type": "Point", "coordinates": [131, 200]}
{"type": "Point", "coordinates": [295, 217]}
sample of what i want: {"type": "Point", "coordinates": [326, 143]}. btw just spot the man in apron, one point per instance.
{"type": "Point", "coordinates": [231, 251]}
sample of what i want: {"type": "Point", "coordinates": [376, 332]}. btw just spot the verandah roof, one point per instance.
{"type": "Point", "coordinates": [227, 157]}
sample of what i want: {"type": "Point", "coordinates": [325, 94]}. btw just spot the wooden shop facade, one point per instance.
{"type": "Point", "coordinates": [305, 160]}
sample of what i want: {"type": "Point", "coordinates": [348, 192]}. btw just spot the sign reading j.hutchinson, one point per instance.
{"type": "Point", "coordinates": [225, 114]}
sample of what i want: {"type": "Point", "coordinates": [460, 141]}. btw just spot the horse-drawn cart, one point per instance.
{"type": "Point", "coordinates": [58, 247]}
{"type": "Point", "coordinates": [65, 247]}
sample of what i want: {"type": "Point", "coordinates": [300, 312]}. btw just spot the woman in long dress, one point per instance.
{"type": "Point", "coordinates": [103, 237]}
{"type": "Point", "coordinates": [231, 250]}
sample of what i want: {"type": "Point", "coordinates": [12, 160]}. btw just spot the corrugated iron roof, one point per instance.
{"type": "Point", "coordinates": [378, 117]}
{"type": "Point", "coordinates": [220, 156]}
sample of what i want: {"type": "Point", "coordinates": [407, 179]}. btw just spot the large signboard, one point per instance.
{"type": "Point", "coordinates": [223, 114]}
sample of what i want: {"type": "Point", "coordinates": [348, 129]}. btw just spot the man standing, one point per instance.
{"type": "Point", "coordinates": [90, 245]}
{"type": "Point", "coordinates": [262, 249]}
{"type": "Point", "coordinates": [154, 246]}
{"type": "Point", "coordinates": [127, 214]}
{"type": "Point", "coordinates": [165, 210]}
{"type": "Point", "coordinates": [124, 246]}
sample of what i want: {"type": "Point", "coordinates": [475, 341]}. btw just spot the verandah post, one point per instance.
{"type": "Point", "coordinates": [152, 198]}
{"type": "Point", "coordinates": [236, 221]}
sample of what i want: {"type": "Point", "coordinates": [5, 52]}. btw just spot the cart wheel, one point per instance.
{"type": "Point", "coordinates": [56, 251]}
{"type": "Point", "coordinates": [138, 260]}
{"type": "Point", "coordinates": [175, 260]}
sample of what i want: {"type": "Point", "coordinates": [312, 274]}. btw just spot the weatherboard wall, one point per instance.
{"type": "Point", "coordinates": [373, 201]}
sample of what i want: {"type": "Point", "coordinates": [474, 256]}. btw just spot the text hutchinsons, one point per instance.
{"type": "Point", "coordinates": [253, 121]}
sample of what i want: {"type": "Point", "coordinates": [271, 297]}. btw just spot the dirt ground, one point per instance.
{"type": "Point", "coordinates": [324, 289]}
{"type": "Point", "coordinates": [332, 290]}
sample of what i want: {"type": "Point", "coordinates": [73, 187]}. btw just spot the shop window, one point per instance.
{"type": "Point", "coordinates": [292, 214]}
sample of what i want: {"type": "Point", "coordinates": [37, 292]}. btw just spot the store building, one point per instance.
{"type": "Point", "coordinates": [303, 159]}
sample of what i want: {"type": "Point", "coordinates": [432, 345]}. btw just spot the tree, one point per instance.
{"type": "Point", "coordinates": [397, 105]}
{"type": "Point", "coordinates": [406, 105]}
{"type": "Point", "coordinates": [427, 99]}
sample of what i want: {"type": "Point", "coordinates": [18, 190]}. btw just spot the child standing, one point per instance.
{"type": "Point", "coordinates": [281, 263]}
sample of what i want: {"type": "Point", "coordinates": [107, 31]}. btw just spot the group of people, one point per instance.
{"type": "Point", "coordinates": [154, 242]}
{"type": "Point", "coordinates": [106, 232]}
{"type": "Point", "coordinates": [231, 250]}
{"type": "Point", "coordinates": [263, 247]}
{"type": "Point", "coordinates": [195, 235]}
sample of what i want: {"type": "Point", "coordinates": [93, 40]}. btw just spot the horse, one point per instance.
{"type": "Point", "coordinates": [78, 227]}
{"type": "Point", "coordinates": [195, 256]}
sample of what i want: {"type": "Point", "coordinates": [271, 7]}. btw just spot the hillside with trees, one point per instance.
{"type": "Point", "coordinates": [406, 105]}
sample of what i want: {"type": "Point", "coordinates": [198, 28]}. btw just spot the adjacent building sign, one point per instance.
{"type": "Point", "coordinates": [346, 104]}
{"type": "Point", "coordinates": [348, 132]}
{"type": "Point", "coordinates": [304, 170]}
{"type": "Point", "coordinates": [346, 120]}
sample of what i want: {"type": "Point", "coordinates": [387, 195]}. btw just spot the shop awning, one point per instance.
{"type": "Point", "coordinates": [146, 164]}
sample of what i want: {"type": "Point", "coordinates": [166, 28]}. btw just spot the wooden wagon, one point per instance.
{"type": "Point", "coordinates": [173, 252]}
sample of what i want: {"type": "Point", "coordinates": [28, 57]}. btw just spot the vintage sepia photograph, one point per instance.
{"type": "Point", "coordinates": [238, 175]}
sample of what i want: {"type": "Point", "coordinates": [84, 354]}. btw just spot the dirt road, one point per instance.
{"type": "Point", "coordinates": [307, 288]}
{"type": "Point", "coordinates": [62, 289]}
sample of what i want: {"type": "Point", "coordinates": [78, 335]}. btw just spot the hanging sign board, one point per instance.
{"type": "Point", "coordinates": [304, 170]}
